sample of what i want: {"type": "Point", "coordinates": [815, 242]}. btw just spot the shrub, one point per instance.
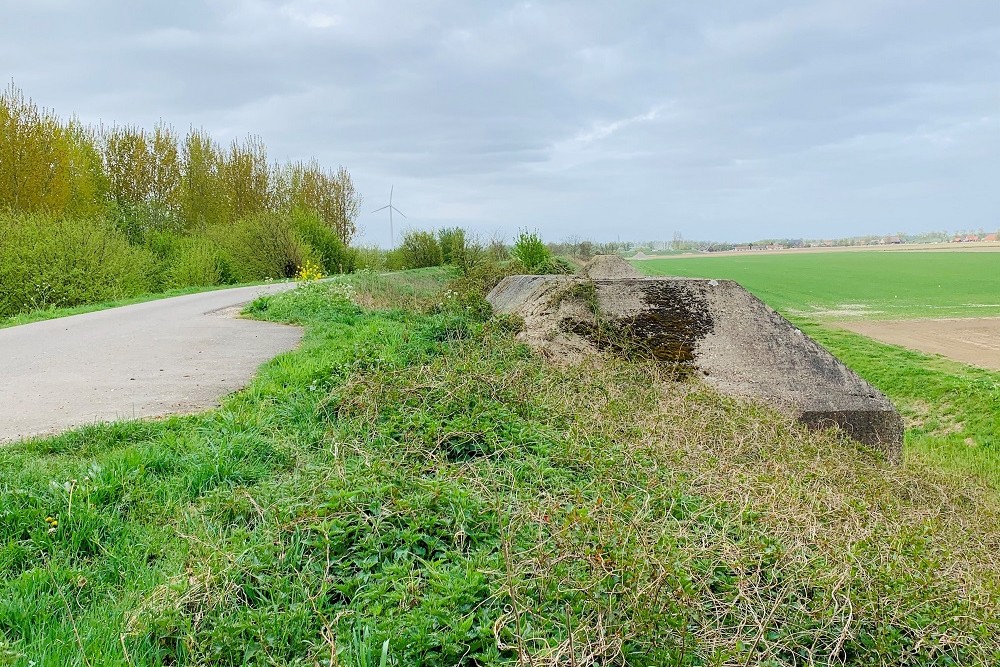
{"type": "Point", "coordinates": [333, 255]}
{"type": "Point", "coordinates": [420, 249]}
{"type": "Point", "coordinates": [138, 221]}
{"type": "Point", "coordinates": [52, 262]}
{"type": "Point", "coordinates": [263, 246]}
{"type": "Point", "coordinates": [452, 241]}
{"type": "Point", "coordinates": [196, 262]}
{"type": "Point", "coordinates": [369, 258]}
{"type": "Point", "coordinates": [530, 251]}
{"type": "Point", "coordinates": [554, 266]}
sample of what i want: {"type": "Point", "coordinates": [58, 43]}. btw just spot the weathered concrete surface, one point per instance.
{"type": "Point", "coordinates": [150, 359]}
{"type": "Point", "coordinates": [713, 328]}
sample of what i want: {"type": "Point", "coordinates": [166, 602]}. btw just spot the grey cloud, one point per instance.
{"type": "Point", "coordinates": [736, 120]}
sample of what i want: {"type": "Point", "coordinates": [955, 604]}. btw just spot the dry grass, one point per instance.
{"type": "Point", "coordinates": [793, 547]}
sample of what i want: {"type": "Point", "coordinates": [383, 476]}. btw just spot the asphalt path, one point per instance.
{"type": "Point", "coordinates": [170, 356]}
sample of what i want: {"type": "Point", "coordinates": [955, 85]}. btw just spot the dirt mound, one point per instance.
{"type": "Point", "coordinates": [710, 328]}
{"type": "Point", "coordinates": [609, 266]}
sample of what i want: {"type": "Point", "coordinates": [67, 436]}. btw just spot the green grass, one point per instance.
{"type": "Point", "coordinates": [878, 284]}
{"type": "Point", "coordinates": [419, 281]}
{"type": "Point", "coordinates": [413, 486]}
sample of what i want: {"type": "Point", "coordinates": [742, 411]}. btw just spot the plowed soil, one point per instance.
{"type": "Point", "coordinates": [974, 341]}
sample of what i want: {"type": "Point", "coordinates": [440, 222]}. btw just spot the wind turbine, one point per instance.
{"type": "Point", "coordinates": [392, 235]}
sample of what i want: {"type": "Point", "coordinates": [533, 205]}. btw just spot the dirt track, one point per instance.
{"type": "Point", "coordinates": [970, 341]}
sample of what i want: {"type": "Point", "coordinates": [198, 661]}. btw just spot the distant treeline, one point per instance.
{"type": "Point", "coordinates": [92, 213]}
{"type": "Point", "coordinates": [155, 178]}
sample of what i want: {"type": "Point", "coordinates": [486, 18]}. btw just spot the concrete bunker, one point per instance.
{"type": "Point", "coordinates": [712, 328]}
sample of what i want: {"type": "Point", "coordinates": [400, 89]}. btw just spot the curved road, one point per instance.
{"type": "Point", "coordinates": [169, 356]}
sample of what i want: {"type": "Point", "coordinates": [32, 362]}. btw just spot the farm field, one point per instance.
{"type": "Point", "coordinates": [974, 340]}
{"type": "Point", "coordinates": [856, 285]}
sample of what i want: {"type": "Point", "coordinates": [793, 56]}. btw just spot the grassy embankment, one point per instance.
{"type": "Point", "coordinates": [413, 486]}
{"type": "Point", "coordinates": [952, 410]}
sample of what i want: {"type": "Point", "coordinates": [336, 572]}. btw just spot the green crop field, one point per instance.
{"type": "Point", "coordinates": [840, 285]}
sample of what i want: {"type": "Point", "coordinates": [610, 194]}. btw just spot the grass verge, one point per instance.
{"type": "Point", "coordinates": [413, 487]}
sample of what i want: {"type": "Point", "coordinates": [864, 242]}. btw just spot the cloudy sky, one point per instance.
{"type": "Point", "coordinates": [731, 120]}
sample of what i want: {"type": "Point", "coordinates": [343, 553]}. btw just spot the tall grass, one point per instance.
{"type": "Point", "coordinates": [414, 487]}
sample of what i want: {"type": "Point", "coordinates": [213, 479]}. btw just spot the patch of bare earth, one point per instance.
{"type": "Point", "coordinates": [974, 341]}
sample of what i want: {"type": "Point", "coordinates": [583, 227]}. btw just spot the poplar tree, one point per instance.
{"type": "Point", "coordinates": [200, 196]}
{"type": "Point", "coordinates": [246, 179]}
{"type": "Point", "coordinates": [34, 157]}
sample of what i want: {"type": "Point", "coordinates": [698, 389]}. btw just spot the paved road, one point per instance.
{"type": "Point", "coordinates": [170, 356]}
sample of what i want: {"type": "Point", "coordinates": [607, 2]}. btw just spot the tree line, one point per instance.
{"type": "Point", "coordinates": [90, 213]}
{"type": "Point", "coordinates": [156, 177]}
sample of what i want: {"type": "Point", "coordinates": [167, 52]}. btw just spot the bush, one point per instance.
{"type": "Point", "coordinates": [530, 251]}
{"type": "Point", "coordinates": [333, 255]}
{"type": "Point", "coordinates": [369, 258]}
{"type": "Point", "coordinates": [264, 246]}
{"type": "Point", "coordinates": [452, 241]}
{"type": "Point", "coordinates": [197, 262]}
{"type": "Point", "coordinates": [138, 221]}
{"type": "Point", "coordinates": [53, 262]}
{"type": "Point", "coordinates": [420, 249]}
{"type": "Point", "coordinates": [554, 266]}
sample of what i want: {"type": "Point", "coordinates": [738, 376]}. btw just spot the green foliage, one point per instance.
{"type": "Point", "coordinates": [555, 266]}
{"type": "Point", "coordinates": [370, 258]}
{"type": "Point", "coordinates": [330, 195]}
{"type": "Point", "coordinates": [334, 256]}
{"type": "Point", "coordinates": [52, 262]}
{"type": "Point", "coordinates": [263, 246]}
{"type": "Point", "coordinates": [413, 487]}
{"type": "Point", "coordinates": [420, 249]}
{"type": "Point", "coordinates": [453, 248]}
{"type": "Point", "coordinates": [201, 199]}
{"type": "Point", "coordinates": [197, 261]}
{"type": "Point", "coordinates": [155, 188]}
{"type": "Point", "coordinates": [530, 251]}
{"type": "Point", "coordinates": [36, 153]}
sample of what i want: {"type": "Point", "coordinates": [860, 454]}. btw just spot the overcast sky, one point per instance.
{"type": "Point", "coordinates": [732, 120]}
